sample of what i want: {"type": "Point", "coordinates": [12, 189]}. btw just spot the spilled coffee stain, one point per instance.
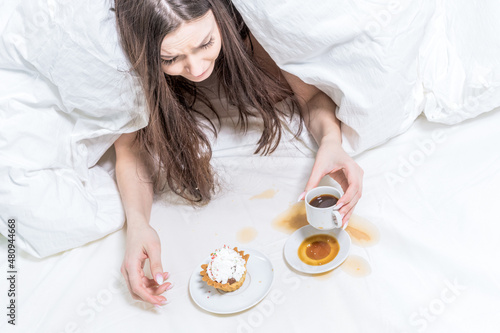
{"type": "Point", "coordinates": [292, 219]}
{"type": "Point", "coordinates": [363, 233]}
{"type": "Point", "coordinates": [324, 276]}
{"type": "Point", "coordinates": [356, 266]}
{"type": "Point", "coordinates": [246, 235]}
{"type": "Point", "coordinates": [267, 194]}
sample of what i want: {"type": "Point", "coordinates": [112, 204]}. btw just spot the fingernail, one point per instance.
{"type": "Point", "coordinates": [301, 196]}
{"type": "Point", "coordinates": [164, 302]}
{"type": "Point", "coordinates": [167, 275]}
{"type": "Point", "coordinates": [170, 286]}
{"type": "Point", "coordinates": [345, 225]}
{"type": "Point", "coordinates": [159, 279]}
{"type": "Point", "coordinates": [338, 206]}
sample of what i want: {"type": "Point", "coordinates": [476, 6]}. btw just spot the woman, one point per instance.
{"type": "Point", "coordinates": [173, 44]}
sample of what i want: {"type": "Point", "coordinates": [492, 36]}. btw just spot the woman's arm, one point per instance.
{"type": "Point", "coordinates": [319, 115]}
{"type": "Point", "coordinates": [318, 111]}
{"type": "Point", "coordinates": [136, 192]}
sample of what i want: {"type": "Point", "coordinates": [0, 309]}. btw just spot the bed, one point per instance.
{"type": "Point", "coordinates": [431, 264]}
{"type": "Point", "coordinates": [424, 254]}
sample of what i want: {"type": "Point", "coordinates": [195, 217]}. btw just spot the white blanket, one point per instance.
{"type": "Point", "coordinates": [383, 62]}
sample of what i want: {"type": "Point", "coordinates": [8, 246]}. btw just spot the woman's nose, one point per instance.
{"type": "Point", "coordinates": [194, 66]}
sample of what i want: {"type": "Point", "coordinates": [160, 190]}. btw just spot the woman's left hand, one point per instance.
{"type": "Point", "coordinates": [331, 159]}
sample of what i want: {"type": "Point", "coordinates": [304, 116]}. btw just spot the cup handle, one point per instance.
{"type": "Point", "coordinates": [337, 218]}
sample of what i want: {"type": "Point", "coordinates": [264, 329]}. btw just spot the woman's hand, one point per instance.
{"type": "Point", "coordinates": [142, 243]}
{"type": "Point", "coordinates": [332, 160]}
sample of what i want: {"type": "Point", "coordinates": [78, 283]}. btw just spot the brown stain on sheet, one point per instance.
{"type": "Point", "coordinates": [356, 266]}
{"type": "Point", "coordinates": [267, 194]}
{"type": "Point", "coordinates": [291, 219]}
{"type": "Point", "coordinates": [363, 233]}
{"type": "Point", "coordinates": [324, 276]}
{"type": "Point", "coordinates": [246, 235]}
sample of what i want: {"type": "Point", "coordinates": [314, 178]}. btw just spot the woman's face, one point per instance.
{"type": "Point", "coordinates": [191, 50]}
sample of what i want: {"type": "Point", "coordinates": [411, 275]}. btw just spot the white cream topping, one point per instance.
{"type": "Point", "coordinates": [226, 263]}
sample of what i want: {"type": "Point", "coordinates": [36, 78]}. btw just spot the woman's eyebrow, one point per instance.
{"type": "Point", "coordinates": [205, 41]}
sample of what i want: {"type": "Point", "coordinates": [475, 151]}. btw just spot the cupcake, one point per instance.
{"type": "Point", "coordinates": [226, 270]}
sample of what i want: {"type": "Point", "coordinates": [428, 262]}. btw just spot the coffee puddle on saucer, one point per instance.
{"type": "Point", "coordinates": [246, 235]}
{"type": "Point", "coordinates": [318, 249]}
{"type": "Point", "coordinates": [267, 194]}
{"type": "Point", "coordinates": [356, 266]}
{"type": "Point", "coordinates": [363, 233]}
{"type": "Point", "coordinates": [291, 219]}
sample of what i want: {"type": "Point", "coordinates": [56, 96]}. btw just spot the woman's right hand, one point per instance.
{"type": "Point", "coordinates": [332, 160]}
{"type": "Point", "coordinates": [142, 243]}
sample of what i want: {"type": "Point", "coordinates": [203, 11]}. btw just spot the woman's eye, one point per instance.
{"type": "Point", "coordinates": [210, 43]}
{"type": "Point", "coordinates": [169, 61]}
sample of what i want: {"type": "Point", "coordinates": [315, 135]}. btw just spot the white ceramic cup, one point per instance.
{"type": "Point", "coordinates": [323, 218]}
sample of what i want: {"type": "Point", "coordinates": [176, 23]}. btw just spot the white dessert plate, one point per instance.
{"type": "Point", "coordinates": [291, 249]}
{"type": "Point", "coordinates": [258, 282]}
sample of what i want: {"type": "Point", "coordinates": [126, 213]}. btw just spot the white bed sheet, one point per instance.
{"type": "Point", "coordinates": [434, 269]}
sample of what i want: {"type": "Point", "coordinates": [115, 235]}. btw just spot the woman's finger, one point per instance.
{"type": "Point", "coordinates": [347, 206]}
{"type": "Point", "coordinates": [354, 180]}
{"type": "Point", "coordinates": [347, 216]}
{"type": "Point", "coordinates": [138, 288]}
{"type": "Point", "coordinates": [149, 283]}
{"type": "Point", "coordinates": [350, 197]}
{"type": "Point", "coordinates": [153, 287]}
{"type": "Point", "coordinates": [125, 276]}
{"type": "Point", "coordinates": [317, 173]}
{"type": "Point", "coordinates": [161, 289]}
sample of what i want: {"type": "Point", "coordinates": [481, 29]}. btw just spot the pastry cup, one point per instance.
{"type": "Point", "coordinates": [226, 286]}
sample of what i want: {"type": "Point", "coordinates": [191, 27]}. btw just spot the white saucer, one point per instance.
{"type": "Point", "coordinates": [258, 282]}
{"type": "Point", "coordinates": [292, 246]}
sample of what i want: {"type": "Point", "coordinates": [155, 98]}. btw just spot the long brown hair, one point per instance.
{"type": "Point", "coordinates": [176, 146]}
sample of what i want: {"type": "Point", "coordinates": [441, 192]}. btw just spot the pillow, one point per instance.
{"type": "Point", "coordinates": [65, 97]}
{"type": "Point", "coordinates": [460, 63]}
{"type": "Point", "coordinates": [382, 62]}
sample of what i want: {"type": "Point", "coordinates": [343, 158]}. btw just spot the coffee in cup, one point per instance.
{"type": "Point", "coordinates": [320, 203]}
{"type": "Point", "coordinates": [324, 201]}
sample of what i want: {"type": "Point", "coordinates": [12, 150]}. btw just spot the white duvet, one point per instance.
{"type": "Point", "coordinates": [384, 62]}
